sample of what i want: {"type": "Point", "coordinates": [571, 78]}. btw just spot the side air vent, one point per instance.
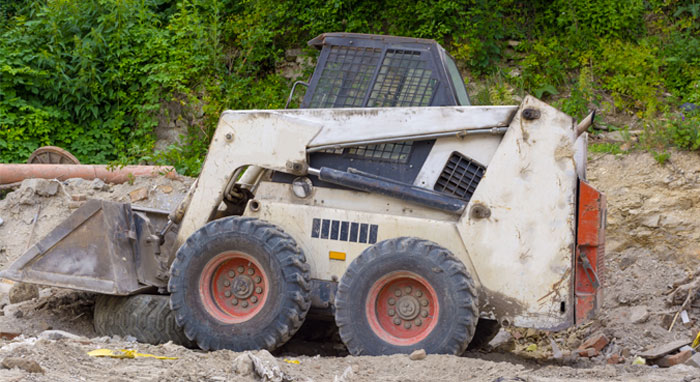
{"type": "Point", "coordinates": [460, 177]}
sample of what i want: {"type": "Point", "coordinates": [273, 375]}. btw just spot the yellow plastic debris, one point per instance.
{"type": "Point", "coordinates": [639, 361]}
{"type": "Point", "coordinates": [696, 341]}
{"type": "Point", "coordinates": [294, 361]}
{"type": "Point", "coordinates": [124, 354]}
{"type": "Point", "coordinates": [531, 347]}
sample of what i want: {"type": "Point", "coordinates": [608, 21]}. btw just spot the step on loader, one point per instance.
{"type": "Point", "coordinates": [386, 202]}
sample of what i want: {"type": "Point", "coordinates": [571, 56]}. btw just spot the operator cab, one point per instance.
{"type": "Point", "coordinates": [360, 71]}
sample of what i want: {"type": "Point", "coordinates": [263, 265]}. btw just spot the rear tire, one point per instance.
{"type": "Point", "coordinates": [405, 294]}
{"type": "Point", "coordinates": [146, 317]}
{"type": "Point", "coordinates": [241, 284]}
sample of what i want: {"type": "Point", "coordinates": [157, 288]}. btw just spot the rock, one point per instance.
{"type": "Point", "coordinates": [638, 314]}
{"type": "Point", "coordinates": [41, 187]}
{"type": "Point", "coordinates": [417, 355]}
{"type": "Point", "coordinates": [266, 367]}
{"type": "Point", "coordinates": [694, 360]}
{"type": "Point", "coordinates": [596, 341]}
{"type": "Point", "coordinates": [99, 185]}
{"type": "Point", "coordinates": [27, 365]}
{"type": "Point", "coordinates": [614, 359]}
{"type": "Point", "coordinates": [166, 189]}
{"type": "Point", "coordinates": [662, 350]}
{"type": "Point", "coordinates": [676, 359]}
{"type": "Point", "coordinates": [556, 352]}
{"type": "Point", "coordinates": [78, 197]}
{"type": "Point", "coordinates": [590, 352]}
{"type": "Point", "coordinates": [73, 204]}
{"type": "Point", "coordinates": [59, 334]}
{"type": "Point", "coordinates": [23, 292]}
{"type": "Point", "coordinates": [513, 43]}
{"type": "Point", "coordinates": [243, 365]}
{"type": "Point", "coordinates": [503, 341]}
{"type": "Point", "coordinates": [614, 136]}
{"type": "Point", "coordinates": [530, 333]}
{"type": "Point", "coordinates": [138, 194]}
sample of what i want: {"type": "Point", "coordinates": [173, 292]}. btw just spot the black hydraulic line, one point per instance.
{"type": "Point", "coordinates": [392, 188]}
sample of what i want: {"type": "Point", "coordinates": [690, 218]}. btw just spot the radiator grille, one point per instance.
{"type": "Point", "coordinates": [460, 177]}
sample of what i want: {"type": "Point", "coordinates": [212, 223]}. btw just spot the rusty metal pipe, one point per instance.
{"type": "Point", "coordinates": [11, 173]}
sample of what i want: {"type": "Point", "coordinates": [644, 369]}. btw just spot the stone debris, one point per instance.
{"type": "Point", "coordinates": [22, 292]}
{"type": "Point", "coordinates": [417, 355]}
{"type": "Point", "coordinates": [59, 335]}
{"type": "Point", "coordinates": [27, 365]}
{"type": "Point", "coordinates": [676, 359]}
{"type": "Point", "coordinates": [41, 187]}
{"type": "Point", "coordinates": [660, 351]}
{"type": "Point", "coordinates": [138, 194]}
{"type": "Point", "coordinates": [638, 314]}
{"type": "Point", "coordinates": [99, 185]}
{"type": "Point", "coordinates": [266, 367]}
{"type": "Point", "coordinates": [243, 365]}
{"type": "Point", "coordinates": [78, 197]}
{"type": "Point", "coordinates": [694, 360]}
{"type": "Point", "coordinates": [165, 188]}
{"type": "Point", "coordinates": [592, 346]}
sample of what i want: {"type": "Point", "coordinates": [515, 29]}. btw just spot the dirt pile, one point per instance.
{"type": "Point", "coordinates": [38, 205]}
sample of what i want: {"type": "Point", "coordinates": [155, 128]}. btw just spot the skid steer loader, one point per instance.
{"type": "Point", "coordinates": [385, 202]}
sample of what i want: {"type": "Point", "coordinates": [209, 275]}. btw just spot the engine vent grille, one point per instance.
{"type": "Point", "coordinates": [460, 177]}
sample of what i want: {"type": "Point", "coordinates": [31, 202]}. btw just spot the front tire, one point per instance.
{"type": "Point", "coordinates": [241, 284]}
{"type": "Point", "coordinates": [405, 294]}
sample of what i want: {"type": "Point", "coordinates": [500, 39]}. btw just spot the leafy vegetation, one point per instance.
{"type": "Point", "coordinates": [96, 76]}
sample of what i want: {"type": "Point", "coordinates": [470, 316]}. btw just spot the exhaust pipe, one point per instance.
{"type": "Point", "coordinates": [11, 173]}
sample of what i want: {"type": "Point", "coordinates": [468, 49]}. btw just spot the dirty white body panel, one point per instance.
{"type": "Point", "coordinates": [521, 257]}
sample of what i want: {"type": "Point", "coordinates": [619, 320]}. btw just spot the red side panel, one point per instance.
{"type": "Point", "coordinates": [590, 250]}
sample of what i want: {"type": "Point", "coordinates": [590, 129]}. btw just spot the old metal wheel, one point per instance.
{"type": "Point", "coordinates": [52, 155]}
{"type": "Point", "coordinates": [241, 284]}
{"type": "Point", "coordinates": [402, 308]}
{"type": "Point", "coordinates": [234, 287]}
{"type": "Point", "coordinates": [405, 294]}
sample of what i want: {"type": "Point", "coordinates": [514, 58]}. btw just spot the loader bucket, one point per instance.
{"type": "Point", "coordinates": [95, 250]}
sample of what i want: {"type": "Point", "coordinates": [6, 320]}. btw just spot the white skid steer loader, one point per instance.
{"type": "Point", "coordinates": [385, 202]}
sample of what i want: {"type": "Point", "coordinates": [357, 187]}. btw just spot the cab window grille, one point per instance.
{"type": "Point", "coordinates": [403, 80]}
{"type": "Point", "coordinates": [346, 77]}
{"type": "Point", "coordinates": [460, 177]}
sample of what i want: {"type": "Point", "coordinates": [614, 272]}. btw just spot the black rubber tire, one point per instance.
{"type": "Point", "coordinates": [288, 298]}
{"type": "Point", "coordinates": [485, 331]}
{"type": "Point", "coordinates": [146, 317]}
{"type": "Point", "coordinates": [456, 294]}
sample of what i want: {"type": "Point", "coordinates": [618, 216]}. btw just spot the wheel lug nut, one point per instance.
{"type": "Point", "coordinates": [253, 299]}
{"type": "Point", "coordinates": [227, 283]}
{"type": "Point", "coordinates": [244, 304]}
{"type": "Point", "coordinates": [407, 289]}
{"type": "Point", "coordinates": [419, 293]}
{"type": "Point", "coordinates": [257, 280]}
{"type": "Point", "coordinates": [240, 269]}
{"type": "Point", "coordinates": [424, 302]}
{"type": "Point", "coordinates": [258, 290]}
{"type": "Point", "coordinates": [227, 293]}
{"type": "Point", "coordinates": [397, 321]}
{"type": "Point", "coordinates": [392, 301]}
{"type": "Point", "coordinates": [397, 293]}
{"type": "Point", "coordinates": [407, 325]}
{"type": "Point", "coordinates": [391, 312]}
{"type": "Point", "coordinates": [424, 313]}
{"type": "Point", "coordinates": [418, 322]}
{"type": "Point", "coordinates": [231, 274]}
{"type": "Point", "coordinates": [251, 271]}
{"type": "Point", "coordinates": [234, 302]}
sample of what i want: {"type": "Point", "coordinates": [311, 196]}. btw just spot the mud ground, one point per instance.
{"type": "Point", "coordinates": [653, 239]}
